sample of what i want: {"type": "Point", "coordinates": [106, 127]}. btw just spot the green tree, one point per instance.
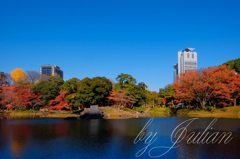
{"type": "Point", "coordinates": [154, 98]}
{"type": "Point", "coordinates": [56, 79]}
{"type": "Point", "coordinates": [168, 93]}
{"type": "Point", "coordinates": [125, 81]}
{"type": "Point", "coordinates": [237, 65]}
{"type": "Point", "coordinates": [138, 92]}
{"type": "Point", "coordinates": [93, 91]}
{"type": "Point", "coordinates": [234, 64]}
{"type": "Point", "coordinates": [70, 85]}
{"type": "Point", "coordinates": [48, 91]}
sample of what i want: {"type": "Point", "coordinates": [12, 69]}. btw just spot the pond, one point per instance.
{"type": "Point", "coordinates": [115, 138]}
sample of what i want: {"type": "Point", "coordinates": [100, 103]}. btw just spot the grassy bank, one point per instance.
{"type": "Point", "coordinates": [227, 111]}
{"type": "Point", "coordinates": [62, 115]}
{"type": "Point", "coordinates": [115, 113]}
{"type": "Point", "coordinates": [159, 112]}
{"type": "Point", "coordinates": [140, 109]}
{"type": "Point", "coordinates": [23, 113]}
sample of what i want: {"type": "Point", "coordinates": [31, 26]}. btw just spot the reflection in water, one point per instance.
{"type": "Point", "coordinates": [58, 138]}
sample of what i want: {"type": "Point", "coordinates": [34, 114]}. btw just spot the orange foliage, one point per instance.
{"type": "Point", "coordinates": [215, 84]}
{"type": "Point", "coordinates": [59, 102]}
{"type": "Point", "coordinates": [18, 96]}
{"type": "Point", "coordinates": [120, 98]}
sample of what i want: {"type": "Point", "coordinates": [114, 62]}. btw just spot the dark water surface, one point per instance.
{"type": "Point", "coordinates": [59, 138]}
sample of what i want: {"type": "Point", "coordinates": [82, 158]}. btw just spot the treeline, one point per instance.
{"type": "Point", "coordinates": [52, 92]}
{"type": "Point", "coordinates": [216, 86]}
{"type": "Point", "coordinates": [234, 64]}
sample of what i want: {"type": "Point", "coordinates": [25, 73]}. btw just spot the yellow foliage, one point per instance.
{"type": "Point", "coordinates": [18, 75]}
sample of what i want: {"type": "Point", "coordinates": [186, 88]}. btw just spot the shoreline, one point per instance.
{"type": "Point", "coordinates": [139, 112]}
{"type": "Point", "coordinates": [153, 115]}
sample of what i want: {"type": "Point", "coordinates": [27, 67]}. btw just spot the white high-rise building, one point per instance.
{"type": "Point", "coordinates": [187, 60]}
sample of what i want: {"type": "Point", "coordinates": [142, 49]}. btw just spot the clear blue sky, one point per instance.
{"type": "Point", "coordinates": [88, 38]}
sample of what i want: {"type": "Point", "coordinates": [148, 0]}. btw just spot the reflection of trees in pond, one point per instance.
{"type": "Point", "coordinates": [213, 150]}
{"type": "Point", "coordinates": [49, 131]}
{"type": "Point", "coordinates": [111, 138]}
{"type": "Point", "coordinates": [20, 134]}
{"type": "Point", "coordinates": [3, 135]}
{"type": "Point", "coordinates": [103, 136]}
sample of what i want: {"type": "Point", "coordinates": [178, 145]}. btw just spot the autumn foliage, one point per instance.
{"type": "Point", "coordinates": [120, 98]}
{"type": "Point", "coordinates": [18, 96]}
{"type": "Point", "coordinates": [59, 102]}
{"type": "Point", "coordinates": [18, 75]}
{"type": "Point", "coordinates": [215, 85]}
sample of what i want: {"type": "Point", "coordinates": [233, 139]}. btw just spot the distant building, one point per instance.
{"type": "Point", "coordinates": [187, 60]}
{"type": "Point", "coordinates": [51, 70]}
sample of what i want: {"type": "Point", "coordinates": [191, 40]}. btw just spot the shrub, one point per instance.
{"type": "Point", "coordinates": [140, 109]}
{"type": "Point", "coordinates": [211, 109]}
{"type": "Point", "coordinates": [224, 109]}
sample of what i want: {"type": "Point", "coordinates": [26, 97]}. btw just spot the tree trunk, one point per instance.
{"type": "Point", "coordinates": [203, 103]}
{"type": "Point", "coordinates": [235, 102]}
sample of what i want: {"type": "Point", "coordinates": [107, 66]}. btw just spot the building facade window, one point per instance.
{"type": "Point", "coordinates": [187, 60]}
{"type": "Point", "coordinates": [51, 70]}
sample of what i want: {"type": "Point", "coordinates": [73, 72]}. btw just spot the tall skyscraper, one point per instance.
{"type": "Point", "coordinates": [51, 70]}
{"type": "Point", "coordinates": [187, 60]}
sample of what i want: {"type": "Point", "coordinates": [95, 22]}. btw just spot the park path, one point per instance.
{"type": "Point", "coordinates": [147, 110]}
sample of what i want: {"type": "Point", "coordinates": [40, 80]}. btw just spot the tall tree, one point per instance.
{"type": "Point", "coordinates": [56, 79]}
{"type": "Point", "coordinates": [93, 91]}
{"type": "Point", "coordinates": [18, 75]}
{"type": "Point", "coordinates": [170, 93]}
{"type": "Point", "coordinates": [203, 85]}
{"type": "Point", "coordinates": [44, 78]}
{"type": "Point", "coordinates": [48, 91]}
{"type": "Point", "coordinates": [71, 87]}
{"type": "Point", "coordinates": [120, 98]}
{"type": "Point", "coordinates": [4, 79]}
{"type": "Point", "coordinates": [138, 92]}
{"type": "Point", "coordinates": [154, 98]}
{"type": "Point", "coordinates": [33, 76]}
{"type": "Point", "coordinates": [125, 81]}
{"type": "Point", "coordinates": [234, 64]}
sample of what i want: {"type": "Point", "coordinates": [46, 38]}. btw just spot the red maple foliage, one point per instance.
{"type": "Point", "coordinates": [120, 98]}
{"type": "Point", "coordinates": [59, 102]}
{"type": "Point", "coordinates": [215, 84]}
{"type": "Point", "coordinates": [16, 96]}
{"type": "Point", "coordinates": [7, 96]}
